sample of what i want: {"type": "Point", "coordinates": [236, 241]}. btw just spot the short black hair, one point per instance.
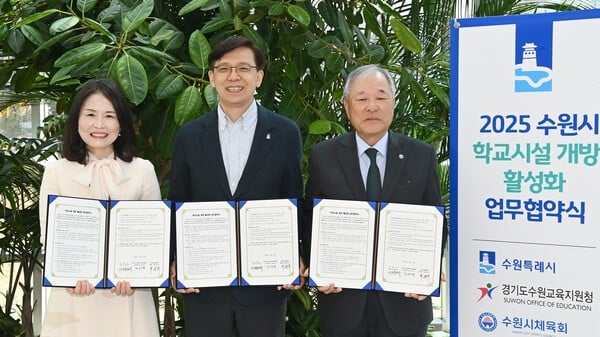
{"type": "Point", "coordinates": [73, 148]}
{"type": "Point", "coordinates": [234, 42]}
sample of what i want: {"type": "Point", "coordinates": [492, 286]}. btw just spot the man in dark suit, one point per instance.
{"type": "Point", "coordinates": [239, 151]}
{"type": "Point", "coordinates": [338, 169]}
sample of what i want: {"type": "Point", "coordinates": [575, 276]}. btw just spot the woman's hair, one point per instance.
{"type": "Point", "coordinates": [234, 42]}
{"type": "Point", "coordinates": [73, 148]}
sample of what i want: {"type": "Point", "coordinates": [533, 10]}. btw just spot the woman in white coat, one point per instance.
{"type": "Point", "coordinates": [99, 161]}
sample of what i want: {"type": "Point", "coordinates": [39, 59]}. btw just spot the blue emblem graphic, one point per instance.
{"type": "Point", "coordinates": [487, 322]}
{"type": "Point", "coordinates": [487, 262]}
{"type": "Point", "coordinates": [533, 58]}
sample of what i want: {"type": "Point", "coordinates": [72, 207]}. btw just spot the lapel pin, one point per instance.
{"type": "Point", "coordinates": [401, 156]}
{"type": "Point", "coordinates": [268, 136]}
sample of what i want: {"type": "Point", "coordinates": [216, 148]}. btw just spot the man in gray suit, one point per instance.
{"type": "Point", "coordinates": [238, 151]}
{"type": "Point", "coordinates": [407, 173]}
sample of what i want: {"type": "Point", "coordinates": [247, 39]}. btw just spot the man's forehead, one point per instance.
{"type": "Point", "coordinates": [366, 90]}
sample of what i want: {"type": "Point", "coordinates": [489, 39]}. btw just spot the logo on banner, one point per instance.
{"type": "Point", "coordinates": [533, 59]}
{"type": "Point", "coordinates": [487, 262]}
{"type": "Point", "coordinates": [487, 322]}
{"type": "Point", "coordinates": [486, 291]}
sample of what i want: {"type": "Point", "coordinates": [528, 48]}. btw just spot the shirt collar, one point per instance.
{"type": "Point", "coordinates": [381, 145]}
{"type": "Point", "coordinates": [247, 119]}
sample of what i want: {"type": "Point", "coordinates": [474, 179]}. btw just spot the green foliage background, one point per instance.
{"type": "Point", "coordinates": [157, 51]}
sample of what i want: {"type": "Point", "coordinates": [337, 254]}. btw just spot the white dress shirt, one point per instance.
{"type": "Point", "coordinates": [236, 141]}
{"type": "Point", "coordinates": [365, 162]}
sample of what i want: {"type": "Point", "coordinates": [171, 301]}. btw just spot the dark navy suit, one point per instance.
{"type": "Point", "coordinates": [410, 177]}
{"type": "Point", "coordinates": [273, 171]}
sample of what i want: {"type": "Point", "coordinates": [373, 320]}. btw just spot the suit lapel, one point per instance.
{"type": "Point", "coordinates": [347, 157]}
{"type": "Point", "coordinates": [261, 146]}
{"type": "Point", "coordinates": [212, 150]}
{"type": "Point", "coordinates": [394, 163]}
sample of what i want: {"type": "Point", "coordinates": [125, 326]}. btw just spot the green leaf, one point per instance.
{"type": "Point", "coordinates": [376, 53]}
{"type": "Point", "coordinates": [416, 89]}
{"type": "Point", "coordinates": [169, 86]}
{"type": "Point", "coordinates": [63, 24]}
{"type": "Point", "coordinates": [334, 62]}
{"type": "Point", "coordinates": [372, 23]}
{"type": "Point", "coordinates": [175, 42]}
{"type": "Point", "coordinates": [210, 95]}
{"type": "Point", "coordinates": [137, 16]}
{"type": "Point", "coordinates": [291, 71]}
{"type": "Point", "coordinates": [188, 104]}
{"type": "Point", "coordinates": [80, 54]}
{"type": "Point", "coordinates": [327, 13]}
{"type": "Point", "coordinates": [16, 40]}
{"type": "Point", "coordinates": [299, 14]}
{"type": "Point", "coordinates": [344, 28]}
{"type": "Point", "coordinates": [85, 6]}
{"type": "Point", "coordinates": [95, 25]}
{"type": "Point", "coordinates": [440, 93]}
{"type": "Point", "coordinates": [24, 78]}
{"type": "Point", "coordinates": [276, 9]}
{"type": "Point", "coordinates": [33, 35]}
{"type": "Point", "coordinates": [35, 17]}
{"type": "Point", "coordinates": [192, 6]}
{"type": "Point", "coordinates": [90, 67]}
{"type": "Point", "coordinates": [256, 38]}
{"type": "Point", "coordinates": [5, 75]}
{"type": "Point", "coordinates": [106, 70]}
{"type": "Point", "coordinates": [199, 49]}
{"type": "Point", "coordinates": [155, 53]}
{"type": "Point", "coordinates": [61, 75]}
{"type": "Point", "coordinates": [87, 36]}
{"type": "Point", "coordinates": [237, 23]}
{"type": "Point", "coordinates": [319, 127]}
{"type": "Point", "coordinates": [225, 9]}
{"type": "Point", "coordinates": [318, 49]}
{"type": "Point", "coordinates": [132, 78]}
{"type": "Point", "coordinates": [405, 36]}
{"type": "Point", "coordinates": [162, 35]}
{"type": "Point", "coordinates": [214, 25]}
{"type": "Point", "coordinates": [304, 297]}
{"type": "Point", "coordinates": [162, 31]}
{"type": "Point", "coordinates": [3, 31]}
{"type": "Point", "coordinates": [110, 13]}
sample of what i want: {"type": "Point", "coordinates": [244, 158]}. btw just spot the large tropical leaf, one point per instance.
{"type": "Point", "coordinates": [132, 78]}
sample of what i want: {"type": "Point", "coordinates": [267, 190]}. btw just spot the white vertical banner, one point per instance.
{"type": "Point", "coordinates": [525, 201]}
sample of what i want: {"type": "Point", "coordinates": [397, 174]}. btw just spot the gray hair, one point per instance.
{"type": "Point", "coordinates": [365, 71]}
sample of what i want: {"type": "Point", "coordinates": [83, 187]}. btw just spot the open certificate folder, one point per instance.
{"type": "Point", "coordinates": [377, 246]}
{"type": "Point", "coordinates": [106, 241]}
{"type": "Point", "coordinates": [226, 243]}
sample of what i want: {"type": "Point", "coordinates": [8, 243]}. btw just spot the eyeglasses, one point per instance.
{"type": "Point", "coordinates": [226, 68]}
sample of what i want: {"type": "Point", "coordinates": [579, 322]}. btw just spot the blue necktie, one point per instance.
{"type": "Point", "coordinates": [373, 177]}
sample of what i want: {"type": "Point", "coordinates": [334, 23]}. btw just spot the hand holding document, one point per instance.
{"type": "Point", "coordinates": [237, 243]}
{"type": "Point", "coordinates": [107, 241]}
{"type": "Point", "coordinates": [376, 246]}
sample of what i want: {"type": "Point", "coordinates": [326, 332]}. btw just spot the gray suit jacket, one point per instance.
{"type": "Point", "coordinates": [410, 177]}
{"type": "Point", "coordinates": [273, 171]}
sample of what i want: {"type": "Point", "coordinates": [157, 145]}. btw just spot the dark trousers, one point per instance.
{"type": "Point", "coordinates": [372, 323]}
{"type": "Point", "coordinates": [224, 315]}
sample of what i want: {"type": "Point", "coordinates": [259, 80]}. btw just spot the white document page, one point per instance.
{"type": "Point", "coordinates": [138, 244]}
{"type": "Point", "coordinates": [342, 243]}
{"type": "Point", "coordinates": [206, 244]}
{"type": "Point", "coordinates": [410, 248]}
{"type": "Point", "coordinates": [269, 242]}
{"type": "Point", "coordinates": [75, 238]}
